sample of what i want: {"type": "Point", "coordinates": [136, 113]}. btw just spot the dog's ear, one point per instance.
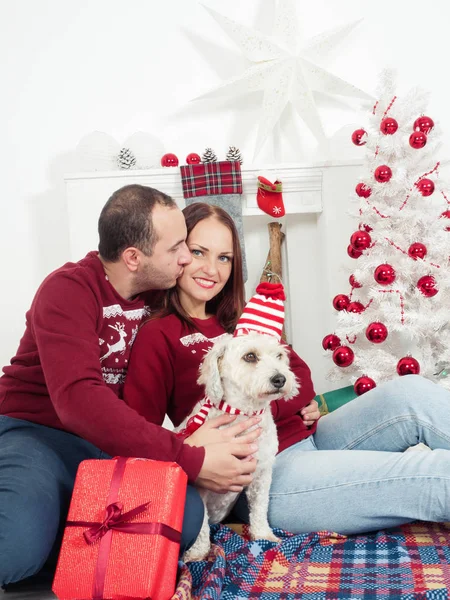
{"type": "Point", "coordinates": [294, 391]}
{"type": "Point", "coordinates": [210, 372]}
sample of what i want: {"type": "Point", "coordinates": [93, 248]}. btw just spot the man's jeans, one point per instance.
{"type": "Point", "coordinates": [37, 472]}
{"type": "Point", "coordinates": [353, 475]}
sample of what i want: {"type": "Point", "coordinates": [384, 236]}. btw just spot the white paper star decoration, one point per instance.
{"type": "Point", "coordinates": [284, 69]}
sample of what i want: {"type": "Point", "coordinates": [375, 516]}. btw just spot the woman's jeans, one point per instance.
{"type": "Point", "coordinates": [37, 473]}
{"type": "Point", "coordinates": [353, 475]}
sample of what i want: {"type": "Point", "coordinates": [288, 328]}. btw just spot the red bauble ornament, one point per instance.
{"type": "Point", "coordinates": [363, 190]}
{"type": "Point", "coordinates": [343, 356]}
{"type": "Point", "coordinates": [360, 240]}
{"type": "Point", "coordinates": [341, 301]}
{"type": "Point", "coordinates": [352, 252]}
{"type": "Point", "coordinates": [425, 187]}
{"type": "Point", "coordinates": [193, 159]}
{"type": "Point", "coordinates": [359, 137]}
{"type": "Point", "coordinates": [364, 384]}
{"type": "Point", "coordinates": [424, 124]}
{"type": "Point", "coordinates": [417, 140]}
{"type": "Point", "coordinates": [355, 307]}
{"type": "Point", "coordinates": [388, 126]}
{"type": "Point", "coordinates": [427, 285]}
{"type": "Point", "coordinates": [384, 274]}
{"type": "Point", "coordinates": [382, 174]}
{"type": "Point", "coordinates": [353, 282]}
{"type": "Point", "coordinates": [169, 160]}
{"type": "Point", "coordinates": [446, 215]}
{"type": "Point", "coordinates": [417, 250]}
{"type": "Point", "coordinates": [408, 366]}
{"type": "Point", "coordinates": [331, 342]}
{"type": "Point", "coordinates": [376, 332]}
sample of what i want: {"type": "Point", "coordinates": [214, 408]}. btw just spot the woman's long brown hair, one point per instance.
{"type": "Point", "coordinates": [229, 302]}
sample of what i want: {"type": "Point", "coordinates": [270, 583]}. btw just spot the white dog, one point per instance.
{"type": "Point", "coordinates": [246, 372]}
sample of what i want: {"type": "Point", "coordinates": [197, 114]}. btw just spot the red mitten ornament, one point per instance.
{"type": "Point", "coordinates": [269, 197]}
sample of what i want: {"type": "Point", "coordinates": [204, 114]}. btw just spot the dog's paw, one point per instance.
{"type": "Point", "coordinates": [266, 535]}
{"type": "Point", "coordinates": [193, 555]}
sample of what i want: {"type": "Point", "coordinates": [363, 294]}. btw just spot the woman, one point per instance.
{"type": "Point", "coordinates": [346, 473]}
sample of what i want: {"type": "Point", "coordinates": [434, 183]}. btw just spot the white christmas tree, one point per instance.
{"type": "Point", "coordinates": [395, 319]}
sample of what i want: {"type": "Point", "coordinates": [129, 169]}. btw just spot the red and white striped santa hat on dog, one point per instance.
{"type": "Point", "coordinates": [264, 312]}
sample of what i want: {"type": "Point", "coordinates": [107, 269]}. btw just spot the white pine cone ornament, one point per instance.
{"type": "Point", "coordinates": [126, 159]}
{"type": "Point", "coordinates": [234, 154]}
{"type": "Point", "coordinates": [209, 156]}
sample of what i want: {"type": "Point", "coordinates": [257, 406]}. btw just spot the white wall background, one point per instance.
{"type": "Point", "coordinates": [69, 68]}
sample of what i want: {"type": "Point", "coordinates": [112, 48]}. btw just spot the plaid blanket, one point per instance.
{"type": "Point", "coordinates": [211, 179]}
{"type": "Point", "coordinates": [408, 563]}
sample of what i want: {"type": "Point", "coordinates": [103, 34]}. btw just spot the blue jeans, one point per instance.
{"type": "Point", "coordinates": [353, 475]}
{"type": "Point", "coordinates": [37, 473]}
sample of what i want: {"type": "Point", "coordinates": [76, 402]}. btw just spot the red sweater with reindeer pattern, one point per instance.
{"type": "Point", "coordinates": [71, 364]}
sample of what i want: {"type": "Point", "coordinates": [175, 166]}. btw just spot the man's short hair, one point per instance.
{"type": "Point", "coordinates": [126, 220]}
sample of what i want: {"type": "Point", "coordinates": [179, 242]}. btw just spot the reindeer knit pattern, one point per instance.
{"type": "Point", "coordinates": [116, 338]}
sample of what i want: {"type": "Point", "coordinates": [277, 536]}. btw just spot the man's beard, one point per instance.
{"type": "Point", "coordinates": [151, 278]}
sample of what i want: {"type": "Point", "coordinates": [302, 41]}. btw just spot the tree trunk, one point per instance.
{"type": "Point", "coordinates": [273, 269]}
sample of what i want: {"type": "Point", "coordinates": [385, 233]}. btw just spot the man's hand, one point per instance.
{"type": "Point", "coordinates": [209, 432]}
{"type": "Point", "coordinates": [310, 414]}
{"type": "Point", "coordinates": [222, 471]}
{"type": "Point", "coordinates": [229, 463]}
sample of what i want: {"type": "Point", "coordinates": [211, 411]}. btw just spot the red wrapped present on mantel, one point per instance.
{"type": "Point", "coordinates": [123, 531]}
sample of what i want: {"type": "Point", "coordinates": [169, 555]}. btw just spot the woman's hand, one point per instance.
{"type": "Point", "coordinates": [210, 432]}
{"type": "Point", "coordinates": [310, 414]}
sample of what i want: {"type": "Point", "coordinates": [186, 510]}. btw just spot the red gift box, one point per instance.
{"type": "Point", "coordinates": [123, 531]}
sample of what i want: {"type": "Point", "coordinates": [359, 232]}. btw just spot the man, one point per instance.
{"type": "Point", "coordinates": [60, 398]}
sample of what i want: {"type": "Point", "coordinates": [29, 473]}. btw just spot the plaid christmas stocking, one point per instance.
{"type": "Point", "coordinates": [218, 183]}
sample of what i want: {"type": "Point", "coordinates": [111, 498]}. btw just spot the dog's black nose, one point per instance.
{"type": "Point", "coordinates": [278, 380]}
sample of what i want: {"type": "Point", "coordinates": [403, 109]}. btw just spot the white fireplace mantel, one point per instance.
{"type": "Point", "coordinates": [302, 185]}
